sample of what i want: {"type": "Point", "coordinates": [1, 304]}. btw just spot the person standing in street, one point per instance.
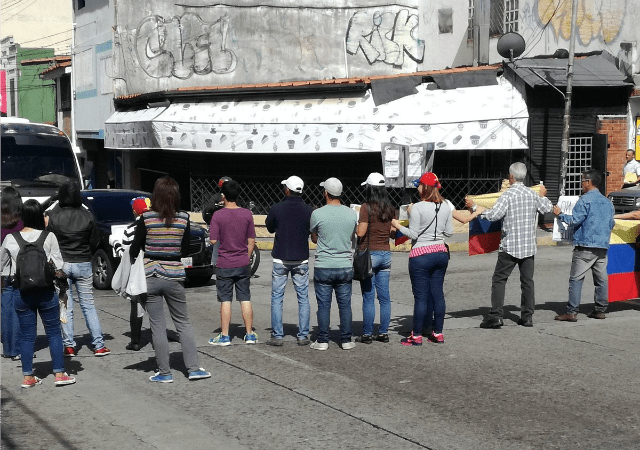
{"type": "Point", "coordinates": [374, 230]}
{"type": "Point", "coordinates": [75, 228]}
{"type": "Point", "coordinates": [592, 222]}
{"type": "Point", "coordinates": [163, 233]}
{"type": "Point", "coordinates": [430, 222]}
{"type": "Point", "coordinates": [518, 208]}
{"type": "Point", "coordinates": [631, 170]}
{"type": "Point", "coordinates": [290, 220]}
{"type": "Point", "coordinates": [11, 222]}
{"type": "Point", "coordinates": [333, 230]}
{"type": "Point", "coordinates": [233, 227]}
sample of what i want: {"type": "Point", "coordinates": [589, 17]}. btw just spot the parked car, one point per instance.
{"type": "Point", "coordinates": [112, 208]}
{"type": "Point", "coordinates": [625, 200]}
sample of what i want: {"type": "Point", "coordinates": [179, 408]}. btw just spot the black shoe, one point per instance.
{"type": "Point", "coordinates": [596, 315]}
{"type": "Point", "coordinates": [525, 323]}
{"type": "Point", "coordinates": [382, 338]}
{"type": "Point", "coordinates": [365, 339]}
{"type": "Point", "coordinates": [274, 342]}
{"type": "Point", "coordinates": [491, 323]}
{"type": "Point", "coordinates": [133, 346]}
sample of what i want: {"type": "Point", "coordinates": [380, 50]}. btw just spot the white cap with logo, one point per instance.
{"type": "Point", "coordinates": [333, 186]}
{"type": "Point", "coordinates": [374, 179]}
{"type": "Point", "coordinates": [294, 183]}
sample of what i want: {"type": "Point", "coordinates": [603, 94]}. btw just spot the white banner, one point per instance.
{"type": "Point", "coordinates": [561, 231]}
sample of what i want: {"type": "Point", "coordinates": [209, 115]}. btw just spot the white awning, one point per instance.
{"type": "Point", "coordinates": [472, 118]}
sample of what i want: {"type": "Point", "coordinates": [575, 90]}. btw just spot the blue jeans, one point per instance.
{"type": "Point", "coordinates": [80, 276]}
{"type": "Point", "coordinates": [427, 278]}
{"type": "Point", "coordinates": [325, 282]}
{"type": "Point", "coordinates": [300, 279]}
{"type": "Point", "coordinates": [585, 259]}
{"type": "Point", "coordinates": [379, 283]}
{"type": "Point", "coordinates": [10, 324]}
{"type": "Point", "coordinates": [27, 307]}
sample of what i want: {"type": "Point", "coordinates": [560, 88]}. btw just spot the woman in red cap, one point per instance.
{"type": "Point", "coordinates": [139, 205]}
{"type": "Point", "coordinates": [430, 221]}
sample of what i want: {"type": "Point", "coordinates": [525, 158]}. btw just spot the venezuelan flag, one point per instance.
{"type": "Point", "coordinates": [401, 238]}
{"type": "Point", "coordinates": [623, 267]}
{"type": "Point", "coordinates": [484, 236]}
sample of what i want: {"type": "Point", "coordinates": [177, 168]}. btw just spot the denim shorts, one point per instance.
{"type": "Point", "coordinates": [226, 279]}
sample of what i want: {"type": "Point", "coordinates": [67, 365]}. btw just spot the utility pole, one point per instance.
{"type": "Point", "coordinates": [564, 151]}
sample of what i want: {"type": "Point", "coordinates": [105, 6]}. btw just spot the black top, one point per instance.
{"type": "Point", "coordinates": [290, 221]}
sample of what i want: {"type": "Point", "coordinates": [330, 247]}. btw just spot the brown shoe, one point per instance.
{"type": "Point", "coordinates": [596, 315]}
{"type": "Point", "coordinates": [567, 317]}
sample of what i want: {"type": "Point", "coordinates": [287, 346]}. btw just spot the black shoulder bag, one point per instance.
{"type": "Point", "coordinates": [362, 266]}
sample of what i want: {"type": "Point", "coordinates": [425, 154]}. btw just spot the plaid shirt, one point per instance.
{"type": "Point", "coordinates": [518, 206]}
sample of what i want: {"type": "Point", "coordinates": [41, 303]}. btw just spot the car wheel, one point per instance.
{"type": "Point", "coordinates": [102, 270]}
{"type": "Point", "coordinates": [254, 261]}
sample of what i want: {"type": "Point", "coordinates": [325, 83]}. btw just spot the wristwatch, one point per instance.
{"type": "Point", "coordinates": [474, 208]}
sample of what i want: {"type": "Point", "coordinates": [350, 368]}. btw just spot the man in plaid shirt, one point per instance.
{"type": "Point", "coordinates": [518, 207]}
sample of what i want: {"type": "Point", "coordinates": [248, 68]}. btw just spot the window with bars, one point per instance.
{"type": "Point", "coordinates": [503, 16]}
{"type": "Point", "coordinates": [579, 160]}
{"type": "Point", "coordinates": [511, 9]}
{"type": "Point", "coordinates": [470, 21]}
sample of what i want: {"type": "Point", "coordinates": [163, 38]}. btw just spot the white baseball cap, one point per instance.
{"type": "Point", "coordinates": [374, 179]}
{"type": "Point", "coordinates": [333, 186]}
{"type": "Point", "coordinates": [294, 183]}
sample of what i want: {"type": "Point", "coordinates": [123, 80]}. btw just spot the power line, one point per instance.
{"type": "Point", "coordinates": [10, 17]}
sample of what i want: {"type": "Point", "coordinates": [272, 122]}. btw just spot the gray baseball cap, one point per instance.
{"type": "Point", "coordinates": [333, 186]}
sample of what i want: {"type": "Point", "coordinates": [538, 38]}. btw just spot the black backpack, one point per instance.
{"type": "Point", "coordinates": [33, 272]}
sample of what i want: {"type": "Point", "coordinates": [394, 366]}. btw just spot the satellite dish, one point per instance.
{"type": "Point", "coordinates": [511, 45]}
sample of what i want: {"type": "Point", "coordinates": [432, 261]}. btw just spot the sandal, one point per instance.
{"type": "Point", "coordinates": [62, 379]}
{"type": "Point", "coordinates": [31, 383]}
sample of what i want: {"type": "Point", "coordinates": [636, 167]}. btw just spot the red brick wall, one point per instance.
{"type": "Point", "coordinates": [616, 128]}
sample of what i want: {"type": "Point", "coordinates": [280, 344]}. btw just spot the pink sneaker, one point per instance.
{"type": "Point", "coordinates": [62, 379]}
{"type": "Point", "coordinates": [438, 338]}
{"type": "Point", "coordinates": [412, 340]}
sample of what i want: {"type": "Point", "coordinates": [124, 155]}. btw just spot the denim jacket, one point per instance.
{"type": "Point", "coordinates": [592, 220]}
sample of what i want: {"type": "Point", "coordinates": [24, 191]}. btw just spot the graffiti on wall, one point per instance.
{"type": "Point", "coordinates": [182, 46]}
{"type": "Point", "coordinates": [594, 18]}
{"type": "Point", "coordinates": [385, 37]}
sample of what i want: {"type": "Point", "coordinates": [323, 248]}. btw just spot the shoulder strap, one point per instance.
{"type": "Point", "coordinates": [19, 239]}
{"type": "Point", "coordinates": [427, 227]}
{"type": "Point", "coordinates": [42, 238]}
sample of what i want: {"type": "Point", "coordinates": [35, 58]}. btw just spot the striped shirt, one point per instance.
{"type": "Point", "coordinates": [163, 245]}
{"type": "Point", "coordinates": [127, 239]}
{"type": "Point", "coordinates": [518, 207]}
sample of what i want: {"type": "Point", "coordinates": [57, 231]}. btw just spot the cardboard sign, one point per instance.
{"type": "Point", "coordinates": [561, 231]}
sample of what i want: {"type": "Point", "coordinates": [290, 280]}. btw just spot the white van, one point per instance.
{"type": "Point", "coordinates": [36, 158]}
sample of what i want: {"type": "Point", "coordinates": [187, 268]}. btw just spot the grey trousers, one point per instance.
{"type": "Point", "coordinates": [173, 293]}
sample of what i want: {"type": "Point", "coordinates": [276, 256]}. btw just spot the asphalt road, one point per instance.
{"type": "Point", "coordinates": [556, 385]}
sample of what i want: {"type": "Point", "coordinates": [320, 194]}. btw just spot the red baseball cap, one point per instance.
{"type": "Point", "coordinates": [141, 204]}
{"type": "Point", "coordinates": [428, 179]}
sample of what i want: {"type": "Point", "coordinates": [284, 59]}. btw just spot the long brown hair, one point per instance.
{"type": "Point", "coordinates": [165, 199]}
{"type": "Point", "coordinates": [431, 194]}
{"type": "Point", "coordinates": [11, 207]}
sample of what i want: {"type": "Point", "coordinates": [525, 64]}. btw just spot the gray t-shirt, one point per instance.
{"type": "Point", "coordinates": [422, 216]}
{"type": "Point", "coordinates": [335, 226]}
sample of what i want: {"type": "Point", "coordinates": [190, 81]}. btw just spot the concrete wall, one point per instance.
{"type": "Point", "coordinates": [92, 65]}
{"type": "Point", "coordinates": [610, 25]}
{"type": "Point", "coordinates": [39, 24]}
{"type": "Point", "coordinates": [36, 97]}
{"type": "Point", "coordinates": [162, 46]}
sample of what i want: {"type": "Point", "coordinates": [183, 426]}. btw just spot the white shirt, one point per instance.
{"type": "Point", "coordinates": [632, 166]}
{"type": "Point", "coordinates": [10, 249]}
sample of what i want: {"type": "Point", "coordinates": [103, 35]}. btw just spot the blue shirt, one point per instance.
{"type": "Point", "coordinates": [290, 221]}
{"type": "Point", "coordinates": [592, 220]}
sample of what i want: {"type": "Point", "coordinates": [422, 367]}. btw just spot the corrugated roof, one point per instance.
{"type": "Point", "coordinates": [317, 83]}
{"type": "Point", "coordinates": [590, 71]}
{"type": "Point", "coordinates": [48, 60]}
{"type": "Point", "coordinates": [55, 67]}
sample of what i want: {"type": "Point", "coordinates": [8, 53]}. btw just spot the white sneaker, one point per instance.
{"type": "Point", "coordinates": [348, 345]}
{"type": "Point", "coordinates": [319, 345]}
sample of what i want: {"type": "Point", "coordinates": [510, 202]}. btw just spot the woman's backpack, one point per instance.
{"type": "Point", "coordinates": [33, 272]}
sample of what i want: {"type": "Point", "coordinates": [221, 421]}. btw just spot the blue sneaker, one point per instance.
{"type": "Point", "coordinates": [221, 340]}
{"type": "Point", "coordinates": [251, 338]}
{"type": "Point", "coordinates": [199, 374]}
{"type": "Point", "coordinates": [158, 378]}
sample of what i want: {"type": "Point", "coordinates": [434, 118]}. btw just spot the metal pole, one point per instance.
{"type": "Point", "coordinates": [564, 150]}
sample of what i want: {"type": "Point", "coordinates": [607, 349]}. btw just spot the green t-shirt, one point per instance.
{"type": "Point", "coordinates": [335, 226]}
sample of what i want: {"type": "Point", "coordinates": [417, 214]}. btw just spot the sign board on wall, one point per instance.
{"type": "Point", "coordinates": [393, 164]}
